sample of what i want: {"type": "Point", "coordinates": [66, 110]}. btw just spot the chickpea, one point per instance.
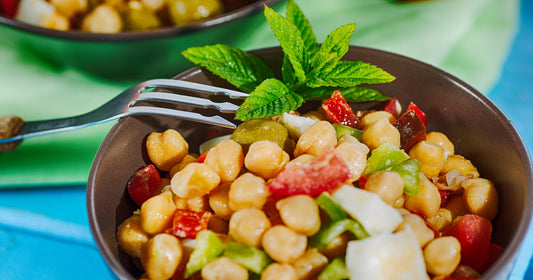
{"type": "Point", "coordinates": [157, 213]}
{"type": "Point", "coordinates": [379, 132]}
{"type": "Point", "coordinates": [196, 179]}
{"type": "Point", "coordinates": [277, 271]}
{"type": "Point", "coordinates": [316, 139]}
{"type": "Point", "coordinates": [224, 268]}
{"type": "Point", "coordinates": [103, 19]}
{"type": "Point", "coordinates": [456, 205]}
{"type": "Point", "coordinates": [302, 159]}
{"type": "Point", "coordinates": [462, 164]}
{"type": "Point", "coordinates": [337, 247]}
{"type": "Point", "coordinates": [354, 154]}
{"type": "Point", "coordinates": [266, 159]}
{"type": "Point", "coordinates": [219, 201]}
{"type": "Point", "coordinates": [300, 213]}
{"type": "Point", "coordinates": [218, 225]}
{"type": "Point", "coordinates": [161, 256]}
{"type": "Point", "coordinates": [195, 203]}
{"type": "Point", "coordinates": [69, 8]}
{"type": "Point", "coordinates": [427, 201]}
{"type": "Point", "coordinates": [248, 225]}
{"type": "Point", "coordinates": [284, 244]}
{"type": "Point", "coordinates": [481, 197]}
{"type": "Point", "coordinates": [431, 157]}
{"type": "Point", "coordinates": [441, 140]}
{"type": "Point", "coordinates": [317, 115]}
{"type": "Point", "coordinates": [248, 191]}
{"type": "Point", "coordinates": [227, 159]}
{"type": "Point", "coordinates": [131, 237]}
{"type": "Point", "coordinates": [370, 118]}
{"type": "Point", "coordinates": [166, 149]}
{"type": "Point", "coordinates": [154, 4]}
{"type": "Point", "coordinates": [56, 21]}
{"type": "Point", "coordinates": [180, 165]}
{"type": "Point", "coordinates": [387, 184]}
{"type": "Point", "coordinates": [421, 230]}
{"type": "Point", "coordinates": [310, 264]}
{"type": "Point", "coordinates": [442, 255]}
{"type": "Point", "coordinates": [441, 220]}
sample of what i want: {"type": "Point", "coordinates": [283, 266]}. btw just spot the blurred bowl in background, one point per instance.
{"type": "Point", "coordinates": [131, 55]}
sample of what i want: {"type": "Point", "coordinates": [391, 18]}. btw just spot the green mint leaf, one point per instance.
{"type": "Point", "coordinates": [290, 40]}
{"type": "Point", "coordinates": [287, 72]}
{"type": "Point", "coordinates": [269, 99]}
{"type": "Point", "coordinates": [296, 16]}
{"type": "Point", "coordinates": [353, 94]}
{"type": "Point", "coordinates": [323, 63]}
{"type": "Point", "coordinates": [241, 69]}
{"type": "Point", "coordinates": [351, 74]}
{"type": "Point", "coordinates": [338, 41]}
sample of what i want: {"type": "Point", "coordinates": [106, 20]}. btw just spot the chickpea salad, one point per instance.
{"type": "Point", "coordinates": [329, 194]}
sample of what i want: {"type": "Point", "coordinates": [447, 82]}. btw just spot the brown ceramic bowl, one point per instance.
{"type": "Point", "coordinates": [479, 130]}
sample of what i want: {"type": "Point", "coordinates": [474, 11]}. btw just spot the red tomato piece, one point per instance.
{"type": "Point", "coordinates": [393, 106]}
{"type": "Point", "coordinates": [423, 117]}
{"type": "Point", "coordinates": [412, 130]}
{"type": "Point", "coordinates": [8, 8]}
{"type": "Point", "coordinates": [495, 251]}
{"type": "Point", "coordinates": [337, 110]}
{"type": "Point", "coordinates": [188, 223]}
{"type": "Point", "coordinates": [444, 197]}
{"type": "Point", "coordinates": [202, 157]}
{"type": "Point", "coordinates": [325, 173]}
{"type": "Point", "coordinates": [144, 183]}
{"type": "Point", "coordinates": [474, 234]}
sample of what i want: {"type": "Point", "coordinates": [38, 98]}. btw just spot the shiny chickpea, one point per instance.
{"type": "Point", "coordinates": [441, 140]}
{"type": "Point", "coordinates": [69, 8]}
{"type": "Point", "coordinates": [196, 179]}
{"type": "Point", "coordinates": [266, 159]}
{"type": "Point", "coordinates": [284, 244]}
{"type": "Point", "coordinates": [427, 201]}
{"type": "Point", "coordinates": [277, 271]}
{"type": "Point", "coordinates": [316, 139]}
{"type": "Point", "coordinates": [431, 157]}
{"type": "Point", "coordinates": [162, 256]}
{"type": "Point", "coordinates": [441, 220]}
{"type": "Point", "coordinates": [310, 264]}
{"type": "Point", "coordinates": [442, 255]}
{"type": "Point", "coordinates": [460, 163]}
{"type": "Point", "coordinates": [227, 159]}
{"type": "Point", "coordinates": [157, 213]}
{"type": "Point", "coordinates": [195, 203]}
{"type": "Point", "coordinates": [423, 233]}
{"type": "Point", "coordinates": [131, 237]}
{"type": "Point", "coordinates": [387, 184]}
{"type": "Point", "coordinates": [224, 268]}
{"type": "Point", "coordinates": [179, 166]}
{"type": "Point", "coordinates": [247, 226]}
{"type": "Point", "coordinates": [56, 21]}
{"type": "Point", "coordinates": [481, 197]}
{"type": "Point", "coordinates": [219, 201]}
{"type": "Point", "coordinates": [368, 119]}
{"type": "Point", "coordinates": [379, 132]}
{"type": "Point", "coordinates": [247, 191]}
{"type": "Point", "coordinates": [300, 213]}
{"type": "Point", "coordinates": [166, 149]}
{"type": "Point", "coordinates": [354, 154]}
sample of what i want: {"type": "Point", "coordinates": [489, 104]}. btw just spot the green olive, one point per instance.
{"type": "Point", "coordinates": [255, 130]}
{"type": "Point", "coordinates": [138, 17]}
{"type": "Point", "coordinates": [183, 12]}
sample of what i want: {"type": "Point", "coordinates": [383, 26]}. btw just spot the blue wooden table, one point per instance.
{"type": "Point", "coordinates": [50, 236]}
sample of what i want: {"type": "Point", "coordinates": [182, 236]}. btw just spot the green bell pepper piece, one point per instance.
{"type": "Point", "coordinates": [332, 209]}
{"type": "Point", "coordinates": [254, 259]}
{"type": "Point", "coordinates": [208, 247]}
{"type": "Point", "coordinates": [329, 232]}
{"type": "Point", "coordinates": [336, 270]}
{"type": "Point", "coordinates": [409, 171]}
{"type": "Point", "coordinates": [384, 157]}
{"type": "Point", "coordinates": [344, 129]}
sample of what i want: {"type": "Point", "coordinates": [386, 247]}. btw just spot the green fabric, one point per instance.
{"type": "Point", "coordinates": [469, 39]}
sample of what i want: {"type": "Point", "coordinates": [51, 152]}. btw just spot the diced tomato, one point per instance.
{"type": "Point", "coordinates": [444, 196]}
{"type": "Point", "coordinates": [412, 130]}
{"type": "Point", "coordinates": [393, 106]}
{"type": "Point", "coordinates": [474, 234]}
{"type": "Point", "coordinates": [188, 223]}
{"type": "Point", "coordinates": [325, 173]}
{"type": "Point", "coordinates": [8, 8]}
{"type": "Point", "coordinates": [423, 117]}
{"type": "Point", "coordinates": [202, 157]}
{"type": "Point", "coordinates": [144, 183]}
{"type": "Point", "coordinates": [495, 251]}
{"type": "Point", "coordinates": [362, 181]}
{"type": "Point", "coordinates": [337, 110]}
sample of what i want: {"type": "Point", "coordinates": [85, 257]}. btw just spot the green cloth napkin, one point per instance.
{"type": "Point", "coordinates": [469, 39]}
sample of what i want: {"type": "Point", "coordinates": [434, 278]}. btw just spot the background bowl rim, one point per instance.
{"type": "Point", "coordinates": [506, 260]}
{"type": "Point", "coordinates": [128, 36]}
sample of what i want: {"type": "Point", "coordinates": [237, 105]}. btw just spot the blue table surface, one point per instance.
{"type": "Point", "coordinates": [58, 244]}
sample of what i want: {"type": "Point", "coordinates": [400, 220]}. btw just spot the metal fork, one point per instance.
{"type": "Point", "coordinates": [124, 105]}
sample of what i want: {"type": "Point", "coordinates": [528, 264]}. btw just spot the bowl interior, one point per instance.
{"type": "Point", "coordinates": [478, 129]}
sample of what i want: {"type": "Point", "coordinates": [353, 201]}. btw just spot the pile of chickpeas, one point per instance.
{"type": "Point", "coordinates": [232, 184]}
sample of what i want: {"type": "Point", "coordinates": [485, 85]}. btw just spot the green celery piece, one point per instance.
{"type": "Point", "coordinates": [409, 171]}
{"type": "Point", "coordinates": [338, 41]}
{"type": "Point", "coordinates": [344, 129]}
{"type": "Point", "coordinates": [352, 94]}
{"type": "Point", "coordinates": [296, 16]}
{"type": "Point", "coordinates": [269, 99]}
{"type": "Point", "coordinates": [384, 157]}
{"type": "Point", "coordinates": [254, 259]}
{"type": "Point", "coordinates": [336, 270]}
{"type": "Point", "coordinates": [208, 247]}
{"type": "Point", "coordinates": [290, 40]}
{"type": "Point", "coordinates": [329, 232]}
{"type": "Point", "coordinates": [350, 74]}
{"type": "Point", "coordinates": [332, 209]}
{"type": "Point", "coordinates": [241, 69]}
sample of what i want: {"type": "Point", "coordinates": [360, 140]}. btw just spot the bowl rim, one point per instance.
{"type": "Point", "coordinates": [128, 36]}
{"type": "Point", "coordinates": [504, 263]}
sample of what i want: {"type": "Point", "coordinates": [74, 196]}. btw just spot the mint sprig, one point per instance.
{"type": "Point", "coordinates": [309, 71]}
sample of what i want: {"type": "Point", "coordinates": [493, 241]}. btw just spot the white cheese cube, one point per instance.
{"type": "Point", "coordinates": [296, 125]}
